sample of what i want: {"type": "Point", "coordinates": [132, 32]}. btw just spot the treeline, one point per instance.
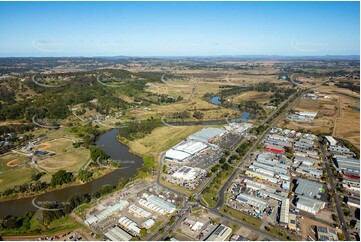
{"type": "Point", "coordinates": [355, 87]}
{"type": "Point", "coordinates": [138, 130]}
{"type": "Point", "coordinates": [252, 107]}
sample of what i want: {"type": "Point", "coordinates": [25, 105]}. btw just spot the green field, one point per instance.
{"type": "Point", "coordinates": [16, 177]}
{"type": "Point", "coordinates": [245, 218]}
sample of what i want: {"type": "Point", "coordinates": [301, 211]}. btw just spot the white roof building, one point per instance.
{"type": "Point", "coordinates": [331, 140]}
{"type": "Point", "coordinates": [176, 155]}
{"type": "Point", "coordinates": [187, 173]}
{"type": "Point", "coordinates": [117, 234]}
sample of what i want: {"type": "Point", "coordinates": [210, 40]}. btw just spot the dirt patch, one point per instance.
{"type": "Point", "coordinates": [12, 163]}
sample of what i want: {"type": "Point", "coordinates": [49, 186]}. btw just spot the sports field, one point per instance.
{"type": "Point", "coordinates": [11, 160]}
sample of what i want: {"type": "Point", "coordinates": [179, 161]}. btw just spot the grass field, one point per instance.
{"type": "Point", "coordinates": [254, 222]}
{"type": "Point", "coordinates": [253, 96]}
{"type": "Point", "coordinates": [10, 160]}
{"type": "Point", "coordinates": [161, 139]}
{"type": "Point", "coordinates": [16, 177]}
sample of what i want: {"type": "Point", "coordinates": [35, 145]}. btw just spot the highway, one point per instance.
{"type": "Point", "coordinates": [334, 194]}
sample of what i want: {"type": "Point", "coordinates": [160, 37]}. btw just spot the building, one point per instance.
{"type": "Point", "coordinates": [176, 155]}
{"type": "Point", "coordinates": [275, 148]}
{"type": "Point", "coordinates": [261, 176]}
{"type": "Point", "coordinates": [309, 204]}
{"type": "Point", "coordinates": [207, 135]}
{"type": "Point", "coordinates": [308, 188]}
{"type": "Point", "coordinates": [304, 160]}
{"type": "Point", "coordinates": [148, 224]}
{"type": "Point", "coordinates": [139, 212]}
{"type": "Point", "coordinates": [187, 173]}
{"type": "Point", "coordinates": [252, 201]}
{"type": "Point", "coordinates": [309, 171]}
{"type": "Point", "coordinates": [160, 202]}
{"type": "Point", "coordinates": [331, 140]}
{"type": "Point", "coordinates": [191, 147]}
{"type": "Point", "coordinates": [118, 234]}
{"type": "Point", "coordinates": [285, 211]}
{"type": "Point", "coordinates": [326, 234]}
{"type": "Point", "coordinates": [110, 210]}
{"type": "Point", "coordinates": [129, 225]}
{"type": "Point", "coordinates": [221, 233]}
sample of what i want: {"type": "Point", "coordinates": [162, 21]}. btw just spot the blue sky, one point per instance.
{"type": "Point", "coordinates": [179, 28]}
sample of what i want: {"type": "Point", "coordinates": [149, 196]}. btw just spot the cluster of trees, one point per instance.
{"type": "Point", "coordinates": [251, 107]}
{"type": "Point", "coordinates": [21, 224]}
{"type": "Point", "coordinates": [163, 98]}
{"type": "Point", "coordinates": [138, 130]}
{"type": "Point", "coordinates": [10, 134]}
{"type": "Point", "coordinates": [353, 86]}
{"type": "Point", "coordinates": [87, 132]}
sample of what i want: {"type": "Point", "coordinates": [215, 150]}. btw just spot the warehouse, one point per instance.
{"type": "Point", "coordinates": [252, 201]}
{"type": "Point", "coordinates": [285, 211]}
{"type": "Point", "coordinates": [344, 163]}
{"type": "Point", "coordinates": [176, 155]}
{"type": "Point", "coordinates": [160, 202]}
{"type": "Point", "coordinates": [152, 206]}
{"type": "Point", "coordinates": [261, 176]}
{"type": "Point", "coordinates": [139, 212]}
{"type": "Point", "coordinates": [107, 212]}
{"type": "Point", "coordinates": [270, 167]}
{"type": "Point", "coordinates": [278, 137]}
{"type": "Point", "coordinates": [326, 234]}
{"type": "Point", "coordinates": [254, 185]}
{"type": "Point", "coordinates": [302, 145]}
{"type": "Point", "coordinates": [331, 140]}
{"type": "Point", "coordinates": [129, 225]}
{"type": "Point", "coordinates": [117, 234]}
{"type": "Point", "coordinates": [341, 150]}
{"type": "Point", "coordinates": [278, 143]}
{"type": "Point", "coordinates": [148, 224]}
{"type": "Point", "coordinates": [187, 173]}
{"type": "Point", "coordinates": [207, 135]}
{"type": "Point", "coordinates": [286, 185]}
{"type": "Point", "coordinates": [308, 188]}
{"type": "Point", "coordinates": [309, 171]}
{"type": "Point", "coordinates": [261, 170]}
{"type": "Point", "coordinates": [191, 147]}
{"type": "Point", "coordinates": [221, 233]}
{"type": "Point", "coordinates": [309, 204]}
{"type": "Point", "coordinates": [305, 160]}
{"type": "Point", "coordinates": [274, 148]}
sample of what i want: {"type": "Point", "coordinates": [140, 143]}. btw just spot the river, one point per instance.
{"type": "Point", "coordinates": [113, 148]}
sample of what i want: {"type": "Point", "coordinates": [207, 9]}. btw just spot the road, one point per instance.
{"type": "Point", "coordinates": [334, 194]}
{"type": "Point", "coordinates": [235, 172]}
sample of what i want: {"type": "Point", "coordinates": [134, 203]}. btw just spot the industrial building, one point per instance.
{"type": "Point", "coordinates": [107, 212]}
{"type": "Point", "coordinates": [304, 160]}
{"type": "Point", "coordinates": [148, 224]}
{"type": "Point", "coordinates": [118, 234]}
{"type": "Point", "coordinates": [139, 212]}
{"type": "Point", "coordinates": [309, 171]}
{"type": "Point", "coordinates": [207, 135]}
{"type": "Point", "coordinates": [308, 188]}
{"type": "Point", "coordinates": [309, 204]}
{"type": "Point", "coordinates": [326, 234]}
{"type": "Point", "coordinates": [160, 202]}
{"type": "Point", "coordinates": [340, 150]}
{"type": "Point", "coordinates": [221, 233]}
{"type": "Point", "coordinates": [185, 149]}
{"type": "Point", "coordinates": [186, 173]}
{"type": "Point", "coordinates": [285, 211]}
{"type": "Point", "coordinates": [345, 163]}
{"type": "Point", "coordinates": [252, 201]}
{"type": "Point", "coordinates": [331, 140]}
{"type": "Point", "coordinates": [261, 176]}
{"type": "Point", "coordinates": [274, 148]}
{"type": "Point", "coordinates": [129, 225]}
{"type": "Point", "coordinates": [152, 207]}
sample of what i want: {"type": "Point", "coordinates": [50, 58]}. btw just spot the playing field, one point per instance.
{"type": "Point", "coordinates": [15, 177]}
{"type": "Point", "coordinates": [11, 160]}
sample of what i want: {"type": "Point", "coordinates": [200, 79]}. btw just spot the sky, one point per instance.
{"type": "Point", "coordinates": [179, 28]}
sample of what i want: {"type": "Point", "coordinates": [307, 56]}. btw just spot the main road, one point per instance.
{"type": "Point", "coordinates": [334, 194]}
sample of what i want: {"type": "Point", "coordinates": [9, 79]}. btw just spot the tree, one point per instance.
{"type": "Point", "coordinates": [84, 175]}
{"type": "Point", "coordinates": [143, 232]}
{"type": "Point", "coordinates": [61, 177]}
{"type": "Point", "coordinates": [97, 153]}
{"type": "Point", "coordinates": [198, 114]}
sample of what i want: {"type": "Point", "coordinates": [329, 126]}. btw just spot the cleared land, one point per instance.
{"type": "Point", "coordinates": [11, 160]}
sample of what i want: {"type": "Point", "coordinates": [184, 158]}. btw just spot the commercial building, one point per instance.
{"type": "Point", "coordinates": [191, 147]}
{"type": "Point", "coordinates": [309, 204]}
{"type": "Point", "coordinates": [344, 163]}
{"type": "Point", "coordinates": [207, 135]}
{"type": "Point", "coordinates": [221, 233]}
{"type": "Point", "coordinates": [308, 188]}
{"type": "Point", "coordinates": [176, 155]}
{"type": "Point", "coordinates": [152, 207]}
{"type": "Point", "coordinates": [309, 171]}
{"type": "Point", "coordinates": [326, 234]}
{"type": "Point", "coordinates": [340, 150]}
{"type": "Point", "coordinates": [304, 160]}
{"type": "Point", "coordinates": [118, 234]}
{"type": "Point", "coordinates": [261, 176]}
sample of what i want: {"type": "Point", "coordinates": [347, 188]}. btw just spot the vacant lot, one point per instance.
{"type": "Point", "coordinates": [161, 139]}
{"type": "Point", "coordinates": [253, 96]}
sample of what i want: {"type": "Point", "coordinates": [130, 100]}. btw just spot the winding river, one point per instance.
{"type": "Point", "coordinates": [113, 148]}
